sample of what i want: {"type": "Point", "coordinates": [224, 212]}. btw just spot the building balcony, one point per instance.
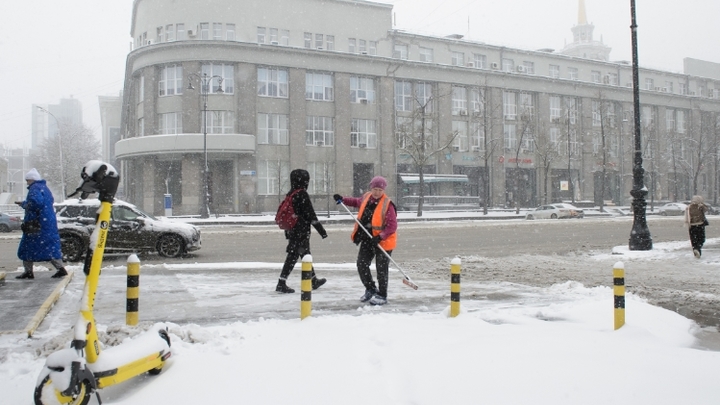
{"type": "Point", "coordinates": [184, 143]}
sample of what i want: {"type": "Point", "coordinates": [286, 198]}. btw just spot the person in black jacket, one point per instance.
{"type": "Point", "coordinates": [299, 236]}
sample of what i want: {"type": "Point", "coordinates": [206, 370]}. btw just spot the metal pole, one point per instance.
{"type": "Point", "coordinates": [640, 238]}
{"type": "Point", "coordinates": [206, 204]}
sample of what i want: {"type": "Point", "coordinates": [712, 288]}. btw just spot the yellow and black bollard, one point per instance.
{"type": "Point", "coordinates": [306, 287]}
{"type": "Point", "coordinates": [455, 287]}
{"type": "Point", "coordinates": [619, 293]}
{"type": "Point", "coordinates": [133, 290]}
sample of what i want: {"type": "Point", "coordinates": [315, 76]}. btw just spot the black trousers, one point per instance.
{"type": "Point", "coordinates": [697, 236]}
{"type": "Point", "coordinates": [367, 252]}
{"type": "Point", "coordinates": [296, 249]}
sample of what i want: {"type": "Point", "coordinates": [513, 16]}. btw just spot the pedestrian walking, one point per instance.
{"type": "Point", "coordinates": [40, 241]}
{"type": "Point", "coordinates": [377, 213]}
{"type": "Point", "coordinates": [299, 235]}
{"type": "Point", "coordinates": [696, 222]}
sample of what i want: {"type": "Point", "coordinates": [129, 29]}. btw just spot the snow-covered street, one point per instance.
{"type": "Point", "coordinates": [236, 341]}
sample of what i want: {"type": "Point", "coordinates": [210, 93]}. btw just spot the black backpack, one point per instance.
{"type": "Point", "coordinates": [285, 216]}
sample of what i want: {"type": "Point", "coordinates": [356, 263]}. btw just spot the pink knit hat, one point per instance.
{"type": "Point", "coordinates": [378, 182]}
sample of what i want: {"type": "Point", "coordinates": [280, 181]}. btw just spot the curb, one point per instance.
{"type": "Point", "coordinates": [44, 308]}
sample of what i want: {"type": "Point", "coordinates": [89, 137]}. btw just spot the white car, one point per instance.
{"type": "Point", "coordinates": [672, 209]}
{"type": "Point", "coordinates": [555, 211]}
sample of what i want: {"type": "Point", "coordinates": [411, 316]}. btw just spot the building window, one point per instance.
{"type": "Point", "coordinates": [319, 86]}
{"type": "Point", "coordinates": [683, 89]}
{"type": "Point", "coordinates": [319, 39]}
{"type": "Point", "coordinates": [555, 138]}
{"type": "Point", "coordinates": [352, 45]}
{"type": "Point", "coordinates": [319, 131]}
{"type": "Point", "coordinates": [170, 123]}
{"type": "Point", "coordinates": [669, 87]}
{"type": "Point", "coordinates": [423, 95]}
{"type": "Point", "coordinates": [459, 100]}
{"type": "Point", "coordinates": [272, 129]}
{"type": "Point", "coordinates": [217, 31]}
{"type": "Point", "coordinates": [596, 113]}
{"type": "Point", "coordinates": [272, 174]}
{"type": "Point", "coordinates": [459, 129]}
{"type": "Point", "coordinates": [477, 136]}
{"type": "Point", "coordinates": [273, 36]}
{"type": "Point", "coordinates": [554, 71]}
{"type": "Point", "coordinates": [169, 33]}
{"type": "Point", "coordinates": [426, 54]}
{"type": "Point", "coordinates": [362, 88]}
{"type": "Point", "coordinates": [363, 134]}
{"type": "Point", "coordinates": [362, 46]}
{"type": "Point", "coordinates": [229, 32]}
{"type": "Point", "coordinates": [595, 76]}
{"type": "Point", "coordinates": [141, 89]}
{"type": "Point", "coordinates": [555, 109]}
{"type": "Point", "coordinates": [612, 79]}
{"type": "Point", "coordinates": [272, 82]}
{"type": "Point", "coordinates": [180, 31]}
{"type": "Point", "coordinates": [529, 67]}
{"type": "Point", "coordinates": [571, 108]}
{"type": "Point", "coordinates": [670, 120]}
{"type": "Point", "coordinates": [171, 81]}
{"type": "Point", "coordinates": [400, 51]}
{"type": "Point", "coordinates": [260, 35]}
{"type": "Point", "coordinates": [372, 47]}
{"type": "Point", "coordinates": [680, 122]}
{"type": "Point", "coordinates": [572, 73]}
{"type": "Point", "coordinates": [322, 177]}
{"type": "Point", "coordinates": [284, 37]}
{"type": "Point", "coordinates": [649, 84]}
{"type": "Point", "coordinates": [509, 105]}
{"type": "Point", "coordinates": [509, 137]}
{"type": "Point", "coordinates": [480, 61]}
{"type": "Point", "coordinates": [508, 65]}
{"type": "Point", "coordinates": [527, 107]}
{"type": "Point", "coordinates": [403, 96]}
{"type": "Point", "coordinates": [307, 40]}
{"type": "Point", "coordinates": [477, 100]}
{"type": "Point", "coordinates": [219, 122]}
{"type": "Point", "coordinates": [160, 36]}
{"type": "Point", "coordinates": [228, 78]}
{"type": "Point", "coordinates": [330, 42]}
{"type": "Point", "coordinates": [457, 59]}
{"type": "Point", "coordinates": [204, 30]}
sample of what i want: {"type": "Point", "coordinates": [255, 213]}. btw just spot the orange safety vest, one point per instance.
{"type": "Point", "coordinates": [378, 221]}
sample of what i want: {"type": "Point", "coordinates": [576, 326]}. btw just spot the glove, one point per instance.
{"type": "Point", "coordinates": [323, 235]}
{"type": "Point", "coordinates": [338, 199]}
{"type": "Point", "coordinates": [376, 239]}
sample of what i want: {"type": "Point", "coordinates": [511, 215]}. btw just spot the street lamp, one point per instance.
{"type": "Point", "coordinates": [59, 135]}
{"type": "Point", "coordinates": [205, 81]}
{"type": "Point", "coordinates": [640, 238]}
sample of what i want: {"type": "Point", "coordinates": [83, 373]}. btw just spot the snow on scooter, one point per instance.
{"type": "Point", "coordinates": [71, 376]}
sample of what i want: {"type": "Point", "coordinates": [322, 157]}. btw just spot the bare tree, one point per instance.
{"type": "Point", "coordinates": [79, 145]}
{"type": "Point", "coordinates": [546, 150]}
{"type": "Point", "coordinates": [416, 138]}
{"type": "Point", "coordinates": [484, 121]}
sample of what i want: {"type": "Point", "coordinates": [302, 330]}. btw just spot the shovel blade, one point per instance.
{"type": "Point", "coordinates": [409, 283]}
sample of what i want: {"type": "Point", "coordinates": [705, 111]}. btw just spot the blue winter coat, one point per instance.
{"type": "Point", "coordinates": [44, 245]}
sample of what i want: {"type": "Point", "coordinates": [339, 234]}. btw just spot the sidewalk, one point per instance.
{"type": "Point", "coordinates": [30, 301]}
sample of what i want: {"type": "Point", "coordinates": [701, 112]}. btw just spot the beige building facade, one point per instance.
{"type": "Point", "coordinates": [331, 87]}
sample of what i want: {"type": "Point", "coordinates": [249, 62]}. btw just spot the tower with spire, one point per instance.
{"type": "Point", "coordinates": [583, 45]}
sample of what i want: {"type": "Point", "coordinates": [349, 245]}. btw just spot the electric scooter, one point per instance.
{"type": "Point", "coordinates": [71, 376]}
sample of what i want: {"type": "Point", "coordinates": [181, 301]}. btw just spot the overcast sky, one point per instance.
{"type": "Point", "coordinates": [52, 49]}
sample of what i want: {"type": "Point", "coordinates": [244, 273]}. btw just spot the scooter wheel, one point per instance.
{"type": "Point", "coordinates": [46, 394]}
{"type": "Point", "coordinates": [155, 371]}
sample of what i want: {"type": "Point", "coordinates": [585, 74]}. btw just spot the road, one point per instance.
{"type": "Point", "coordinates": [532, 253]}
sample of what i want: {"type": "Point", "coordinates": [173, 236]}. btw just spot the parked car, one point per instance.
{"type": "Point", "coordinates": [9, 222]}
{"type": "Point", "coordinates": [131, 230]}
{"type": "Point", "coordinates": [674, 208]}
{"type": "Point", "coordinates": [555, 211]}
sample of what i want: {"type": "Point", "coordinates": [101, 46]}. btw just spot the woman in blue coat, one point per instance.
{"type": "Point", "coordinates": [40, 241]}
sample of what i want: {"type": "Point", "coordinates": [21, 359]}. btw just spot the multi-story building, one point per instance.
{"type": "Point", "coordinates": [330, 86]}
{"type": "Point", "coordinates": [67, 112]}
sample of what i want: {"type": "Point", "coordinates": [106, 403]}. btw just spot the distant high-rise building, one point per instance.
{"type": "Point", "coordinates": [67, 112]}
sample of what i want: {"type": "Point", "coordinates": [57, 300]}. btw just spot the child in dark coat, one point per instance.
{"type": "Point", "coordinates": [299, 236]}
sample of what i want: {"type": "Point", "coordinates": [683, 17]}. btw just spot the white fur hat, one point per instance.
{"type": "Point", "coordinates": [33, 175]}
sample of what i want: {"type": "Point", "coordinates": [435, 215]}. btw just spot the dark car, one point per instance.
{"type": "Point", "coordinates": [9, 222]}
{"type": "Point", "coordinates": [131, 230]}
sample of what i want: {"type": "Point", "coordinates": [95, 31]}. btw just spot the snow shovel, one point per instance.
{"type": "Point", "coordinates": [406, 279]}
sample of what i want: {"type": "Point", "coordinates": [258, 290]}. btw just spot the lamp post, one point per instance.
{"type": "Point", "coordinates": [205, 81]}
{"type": "Point", "coordinates": [59, 135]}
{"type": "Point", "coordinates": [640, 238]}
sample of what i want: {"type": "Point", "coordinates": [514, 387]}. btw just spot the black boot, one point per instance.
{"type": "Point", "coordinates": [60, 273]}
{"type": "Point", "coordinates": [26, 275]}
{"type": "Point", "coordinates": [283, 288]}
{"type": "Point", "coordinates": [317, 282]}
